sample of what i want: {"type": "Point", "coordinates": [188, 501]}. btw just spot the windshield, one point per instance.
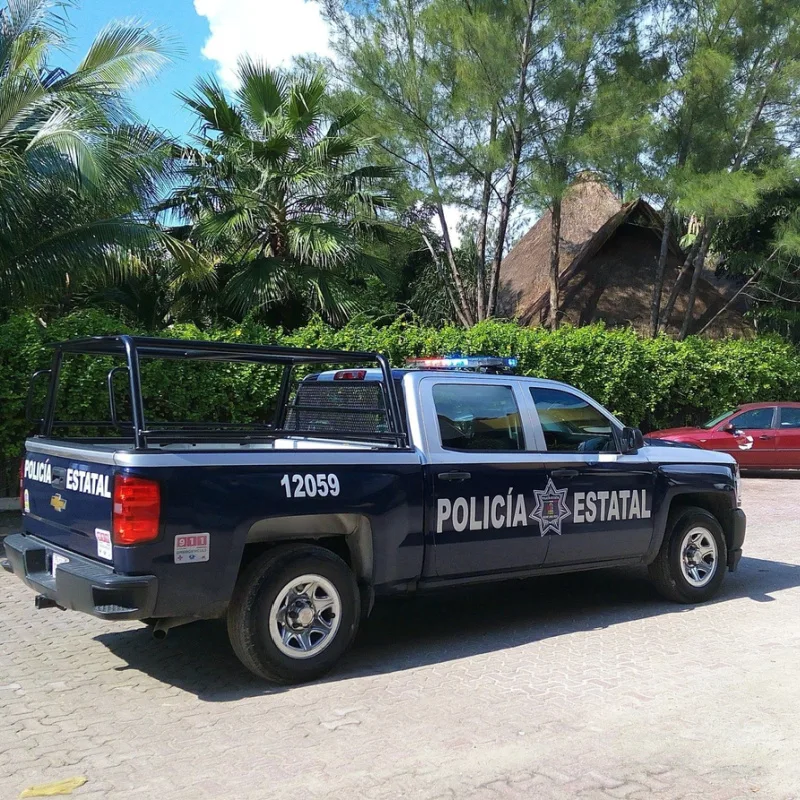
{"type": "Point", "coordinates": [712, 422]}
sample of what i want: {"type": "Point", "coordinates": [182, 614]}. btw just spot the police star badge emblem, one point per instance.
{"type": "Point", "coordinates": [551, 508]}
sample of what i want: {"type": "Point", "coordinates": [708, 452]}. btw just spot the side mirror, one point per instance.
{"type": "Point", "coordinates": [631, 440]}
{"type": "Point", "coordinates": [729, 428]}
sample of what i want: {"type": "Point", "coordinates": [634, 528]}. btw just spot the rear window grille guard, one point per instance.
{"type": "Point", "coordinates": [367, 411]}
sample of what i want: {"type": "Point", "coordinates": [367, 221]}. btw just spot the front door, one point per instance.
{"type": "Point", "coordinates": [752, 441]}
{"type": "Point", "coordinates": [481, 479]}
{"type": "Point", "coordinates": [599, 503]}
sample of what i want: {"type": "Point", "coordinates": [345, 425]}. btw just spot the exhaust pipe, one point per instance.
{"type": "Point", "coordinates": [40, 601]}
{"type": "Point", "coordinates": [163, 626]}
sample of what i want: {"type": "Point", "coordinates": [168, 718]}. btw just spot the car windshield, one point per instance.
{"type": "Point", "coordinates": [712, 422]}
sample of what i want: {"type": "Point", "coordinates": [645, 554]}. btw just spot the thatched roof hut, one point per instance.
{"type": "Point", "coordinates": [608, 259]}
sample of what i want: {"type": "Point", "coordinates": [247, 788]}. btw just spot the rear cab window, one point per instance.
{"type": "Point", "coordinates": [570, 424]}
{"type": "Point", "coordinates": [478, 417]}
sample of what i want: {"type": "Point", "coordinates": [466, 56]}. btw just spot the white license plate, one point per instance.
{"type": "Point", "coordinates": [57, 559]}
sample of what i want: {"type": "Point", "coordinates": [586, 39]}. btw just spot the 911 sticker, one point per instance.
{"type": "Point", "coordinates": [104, 547]}
{"type": "Point", "coordinates": [192, 548]}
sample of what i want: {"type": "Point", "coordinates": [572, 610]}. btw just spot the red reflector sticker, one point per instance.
{"type": "Point", "coordinates": [191, 548]}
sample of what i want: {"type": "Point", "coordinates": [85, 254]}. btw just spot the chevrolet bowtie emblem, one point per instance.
{"type": "Point", "coordinates": [58, 502]}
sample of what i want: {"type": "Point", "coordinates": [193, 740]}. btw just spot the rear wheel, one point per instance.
{"type": "Point", "coordinates": [690, 566]}
{"type": "Point", "coordinates": [293, 614]}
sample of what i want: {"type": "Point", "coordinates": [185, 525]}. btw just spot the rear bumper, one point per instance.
{"type": "Point", "coordinates": [738, 525]}
{"type": "Point", "coordinates": [81, 584]}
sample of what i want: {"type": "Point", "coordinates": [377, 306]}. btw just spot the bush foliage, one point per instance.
{"type": "Point", "coordinates": [647, 382]}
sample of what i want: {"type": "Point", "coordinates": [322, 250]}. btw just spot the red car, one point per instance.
{"type": "Point", "coordinates": [757, 435]}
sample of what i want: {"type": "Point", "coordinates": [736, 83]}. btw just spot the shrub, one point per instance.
{"type": "Point", "coordinates": [647, 382]}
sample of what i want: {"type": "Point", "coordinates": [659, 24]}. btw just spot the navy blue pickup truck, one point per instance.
{"type": "Point", "coordinates": [362, 481]}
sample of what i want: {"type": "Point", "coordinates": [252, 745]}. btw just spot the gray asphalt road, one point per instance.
{"type": "Point", "coordinates": [582, 686]}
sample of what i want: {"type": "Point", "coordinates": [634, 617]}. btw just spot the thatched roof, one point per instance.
{"type": "Point", "coordinates": [602, 276]}
{"type": "Point", "coordinates": [585, 209]}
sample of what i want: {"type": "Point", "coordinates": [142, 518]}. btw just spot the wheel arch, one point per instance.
{"type": "Point", "coordinates": [349, 536]}
{"type": "Point", "coordinates": [718, 504]}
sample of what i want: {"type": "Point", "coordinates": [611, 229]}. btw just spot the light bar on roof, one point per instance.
{"type": "Point", "coordinates": [463, 362]}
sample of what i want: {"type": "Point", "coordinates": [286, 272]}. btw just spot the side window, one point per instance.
{"type": "Point", "coordinates": [478, 417]}
{"type": "Point", "coordinates": [754, 420]}
{"type": "Point", "coordinates": [571, 425]}
{"type": "Point", "coordinates": [790, 418]}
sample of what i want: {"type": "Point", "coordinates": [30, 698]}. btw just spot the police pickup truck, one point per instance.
{"type": "Point", "coordinates": [365, 481]}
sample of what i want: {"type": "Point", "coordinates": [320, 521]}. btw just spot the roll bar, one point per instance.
{"type": "Point", "coordinates": [134, 348]}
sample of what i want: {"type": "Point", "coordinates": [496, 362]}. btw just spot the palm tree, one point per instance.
{"type": "Point", "coordinates": [76, 174]}
{"type": "Point", "coordinates": [278, 194]}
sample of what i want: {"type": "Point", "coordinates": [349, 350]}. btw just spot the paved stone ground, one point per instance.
{"type": "Point", "coordinates": [583, 686]}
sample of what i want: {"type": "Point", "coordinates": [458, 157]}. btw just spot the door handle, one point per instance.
{"type": "Point", "coordinates": [59, 477]}
{"type": "Point", "coordinates": [764, 436]}
{"type": "Point", "coordinates": [565, 473]}
{"type": "Point", "coordinates": [455, 476]}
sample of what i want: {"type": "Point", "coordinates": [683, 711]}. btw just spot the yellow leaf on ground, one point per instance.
{"type": "Point", "coordinates": [67, 786]}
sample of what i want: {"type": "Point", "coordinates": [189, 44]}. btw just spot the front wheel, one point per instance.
{"type": "Point", "coordinates": [690, 566]}
{"type": "Point", "coordinates": [293, 614]}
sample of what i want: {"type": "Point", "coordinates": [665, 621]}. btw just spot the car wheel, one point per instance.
{"type": "Point", "coordinates": [293, 614]}
{"type": "Point", "coordinates": [690, 566]}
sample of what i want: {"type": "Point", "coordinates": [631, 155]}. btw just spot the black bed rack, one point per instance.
{"type": "Point", "coordinates": [134, 348]}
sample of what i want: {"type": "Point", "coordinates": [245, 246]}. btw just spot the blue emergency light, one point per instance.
{"type": "Point", "coordinates": [477, 363]}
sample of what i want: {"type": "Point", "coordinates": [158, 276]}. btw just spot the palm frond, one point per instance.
{"type": "Point", "coordinates": [345, 119]}
{"type": "Point", "coordinates": [258, 283]}
{"type": "Point", "coordinates": [304, 106]}
{"type": "Point", "coordinates": [122, 55]}
{"type": "Point", "coordinates": [209, 102]}
{"type": "Point", "coordinates": [262, 90]}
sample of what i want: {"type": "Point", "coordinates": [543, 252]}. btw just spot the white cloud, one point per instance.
{"type": "Point", "coordinates": [273, 30]}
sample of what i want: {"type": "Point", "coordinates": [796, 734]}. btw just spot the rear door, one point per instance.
{"type": "Point", "coordinates": [752, 442]}
{"type": "Point", "coordinates": [598, 503]}
{"type": "Point", "coordinates": [67, 501]}
{"type": "Point", "coordinates": [480, 477]}
{"type": "Point", "coordinates": [787, 446]}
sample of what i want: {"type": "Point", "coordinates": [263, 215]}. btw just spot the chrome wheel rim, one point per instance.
{"type": "Point", "coordinates": [699, 556]}
{"type": "Point", "coordinates": [305, 616]}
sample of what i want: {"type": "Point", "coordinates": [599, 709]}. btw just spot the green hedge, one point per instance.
{"type": "Point", "coordinates": [651, 383]}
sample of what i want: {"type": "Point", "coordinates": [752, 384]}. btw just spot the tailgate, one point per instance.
{"type": "Point", "coordinates": [68, 503]}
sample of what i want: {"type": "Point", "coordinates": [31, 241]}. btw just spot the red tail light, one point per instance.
{"type": "Point", "coordinates": [137, 508]}
{"type": "Point", "coordinates": [350, 375]}
{"type": "Point", "coordinates": [22, 484]}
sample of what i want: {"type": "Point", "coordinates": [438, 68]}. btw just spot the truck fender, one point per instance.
{"type": "Point", "coordinates": [354, 530]}
{"type": "Point", "coordinates": [679, 484]}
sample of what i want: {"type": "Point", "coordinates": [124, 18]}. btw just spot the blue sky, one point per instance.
{"type": "Point", "coordinates": [211, 33]}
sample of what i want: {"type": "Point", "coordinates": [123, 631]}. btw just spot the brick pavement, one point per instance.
{"type": "Point", "coordinates": [584, 686]}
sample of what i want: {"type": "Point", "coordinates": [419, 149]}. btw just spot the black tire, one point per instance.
{"type": "Point", "coordinates": [258, 587]}
{"type": "Point", "coordinates": [666, 572]}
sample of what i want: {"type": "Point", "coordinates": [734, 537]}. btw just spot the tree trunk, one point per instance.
{"type": "Point", "coordinates": [658, 286]}
{"type": "Point", "coordinates": [448, 290]}
{"type": "Point", "coordinates": [483, 222]}
{"type": "Point", "coordinates": [516, 155]}
{"type": "Point", "coordinates": [463, 307]}
{"type": "Point", "coordinates": [676, 287]}
{"type": "Point", "coordinates": [555, 255]}
{"type": "Point", "coordinates": [699, 263]}
{"type": "Point", "coordinates": [734, 298]}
